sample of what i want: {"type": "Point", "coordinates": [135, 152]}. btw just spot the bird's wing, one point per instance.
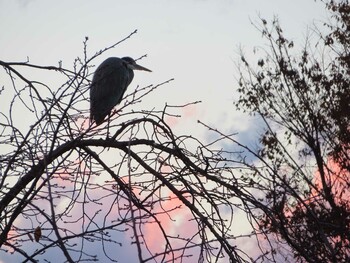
{"type": "Point", "coordinates": [108, 87]}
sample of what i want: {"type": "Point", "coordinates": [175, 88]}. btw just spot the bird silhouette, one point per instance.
{"type": "Point", "coordinates": [109, 84]}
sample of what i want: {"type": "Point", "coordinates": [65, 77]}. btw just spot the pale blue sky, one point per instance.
{"type": "Point", "coordinates": [194, 41]}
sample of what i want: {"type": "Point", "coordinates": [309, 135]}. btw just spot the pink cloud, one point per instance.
{"type": "Point", "coordinates": [338, 179]}
{"type": "Point", "coordinates": [174, 218]}
{"type": "Point", "coordinates": [188, 112]}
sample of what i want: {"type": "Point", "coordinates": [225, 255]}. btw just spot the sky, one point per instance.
{"type": "Point", "coordinates": [196, 42]}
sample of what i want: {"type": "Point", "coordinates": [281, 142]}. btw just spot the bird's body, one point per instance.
{"type": "Point", "coordinates": [109, 84]}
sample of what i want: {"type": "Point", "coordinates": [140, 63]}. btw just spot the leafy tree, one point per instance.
{"type": "Point", "coordinates": [303, 172]}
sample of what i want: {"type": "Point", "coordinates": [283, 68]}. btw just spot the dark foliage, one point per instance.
{"type": "Point", "coordinates": [304, 99]}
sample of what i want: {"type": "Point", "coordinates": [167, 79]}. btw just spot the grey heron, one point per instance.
{"type": "Point", "coordinates": [109, 84]}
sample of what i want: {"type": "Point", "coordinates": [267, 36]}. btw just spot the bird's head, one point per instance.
{"type": "Point", "coordinates": [131, 64]}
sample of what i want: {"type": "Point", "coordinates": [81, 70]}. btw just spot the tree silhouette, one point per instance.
{"type": "Point", "coordinates": [71, 193]}
{"type": "Point", "coordinates": [304, 172]}
{"type": "Point", "coordinates": [84, 196]}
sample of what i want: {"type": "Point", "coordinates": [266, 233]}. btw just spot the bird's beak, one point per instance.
{"type": "Point", "coordinates": [138, 67]}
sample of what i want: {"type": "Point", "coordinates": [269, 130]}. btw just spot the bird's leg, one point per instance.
{"type": "Point", "coordinates": [109, 119]}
